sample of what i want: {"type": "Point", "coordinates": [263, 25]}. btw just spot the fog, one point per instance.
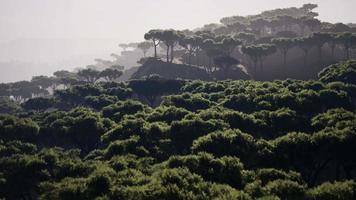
{"type": "Point", "coordinates": [40, 37]}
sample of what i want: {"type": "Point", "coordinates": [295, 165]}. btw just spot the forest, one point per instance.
{"type": "Point", "coordinates": [261, 107]}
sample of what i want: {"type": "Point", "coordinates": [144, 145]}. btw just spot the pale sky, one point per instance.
{"type": "Point", "coordinates": [129, 19]}
{"type": "Point", "coordinates": [55, 31]}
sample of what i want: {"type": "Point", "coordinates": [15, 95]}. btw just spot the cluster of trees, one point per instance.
{"type": "Point", "coordinates": [42, 86]}
{"type": "Point", "coordinates": [226, 51]}
{"type": "Point", "coordinates": [249, 41]}
{"type": "Point", "coordinates": [280, 140]}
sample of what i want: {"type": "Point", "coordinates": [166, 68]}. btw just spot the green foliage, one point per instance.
{"type": "Point", "coordinates": [334, 191]}
{"type": "Point", "coordinates": [13, 128]}
{"type": "Point", "coordinates": [230, 142]}
{"type": "Point", "coordinates": [120, 109]}
{"type": "Point", "coordinates": [221, 170]}
{"type": "Point", "coordinates": [344, 72]}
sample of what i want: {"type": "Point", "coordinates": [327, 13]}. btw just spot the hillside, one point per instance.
{"type": "Point", "coordinates": [179, 71]}
{"type": "Point", "coordinates": [223, 139]}
{"type": "Point", "coordinates": [259, 107]}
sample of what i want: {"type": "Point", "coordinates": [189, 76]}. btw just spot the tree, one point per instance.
{"type": "Point", "coordinates": [229, 142]}
{"type": "Point", "coordinates": [257, 53]}
{"type": "Point", "coordinates": [110, 74]}
{"type": "Point", "coordinates": [312, 23]}
{"type": "Point", "coordinates": [305, 44]}
{"type": "Point", "coordinates": [332, 41]}
{"type": "Point", "coordinates": [319, 40]}
{"type": "Point", "coordinates": [64, 74]}
{"type": "Point", "coordinates": [254, 53]}
{"type": "Point", "coordinates": [309, 7]}
{"type": "Point", "coordinates": [170, 38]}
{"type": "Point", "coordinates": [13, 128]}
{"type": "Point", "coordinates": [284, 45]}
{"type": "Point", "coordinates": [347, 40]}
{"type": "Point", "coordinates": [229, 44]}
{"type": "Point", "coordinates": [342, 72]}
{"type": "Point", "coordinates": [89, 75]}
{"type": "Point", "coordinates": [44, 81]}
{"type": "Point", "coordinates": [191, 44]}
{"type": "Point", "coordinates": [124, 46]}
{"type": "Point", "coordinates": [154, 35]}
{"type": "Point", "coordinates": [144, 46]}
{"type": "Point", "coordinates": [211, 50]}
{"type": "Point", "coordinates": [246, 38]}
{"type": "Point", "coordinates": [39, 103]}
{"type": "Point", "coordinates": [225, 63]}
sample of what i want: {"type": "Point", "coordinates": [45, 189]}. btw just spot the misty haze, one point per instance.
{"type": "Point", "coordinates": [177, 100]}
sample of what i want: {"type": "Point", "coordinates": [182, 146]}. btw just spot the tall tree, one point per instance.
{"type": "Point", "coordinates": [154, 36]}
{"type": "Point", "coordinates": [305, 44]}
{"type": "Point", "coordinates": [170, 38]}
{"type": "Point", "coordinates": [284, 45]}
{"type": "Point", "coordinates": [347, 40]}
{"type": "Point", "coordinates": [190, 44]}
{"type": "Point", "coordinates": [110, 74]}
{"type": "Point", "coordinates": [225, 63]}
{"type": "Point", "coordinates": [319, 40]}
{"type": "Point", "coordinates": [144, 46]}
{"type": "Point", "coordinates": [229, 44]}
{"type": "Point", "coordinates": [89, 75]}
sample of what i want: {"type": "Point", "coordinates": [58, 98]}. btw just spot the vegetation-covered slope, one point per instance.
{"type": "Point", "coordinates": [207, 140]}
{"type": "Point", "coordinates": [193, 126]}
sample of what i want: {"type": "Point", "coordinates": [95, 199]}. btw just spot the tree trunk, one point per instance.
{"type": "Point", "coordinates": [347, 53]}
{"type": "Point", "coordinates": [255, 70]}
{"type": "Point", "coordinates": [332, 51]}
{"type": "Point", "coordinates": [167, 54]}
{"type": "Point", "coordinates": [285, 57]}
{"type": "Point", "coordinates": [320, 53]}
{"type": "Point", "coordinates": [172, 53]}
{"type": "Point", "coordinates": [305, 57]}
{"type": "Point", "coordinates": [189, 57]}
{"type": "Point", "coordinates": [197, 58]}
{"type": "Point", "coordinates": [155, 47]}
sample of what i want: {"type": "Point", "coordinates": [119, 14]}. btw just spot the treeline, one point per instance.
{"type": "Point", "coordinates": [251, 40]}
{"type": "Point", "coordinates": [286, 139]}
{"type": "Point", "coordinates": [42, 86]}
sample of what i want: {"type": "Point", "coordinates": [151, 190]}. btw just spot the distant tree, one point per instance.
{"type": "Point", "coordinates": [170, 38]}
{"type": "Point", "coordinates": [319, 40]}
{"type": "Point", "coordinates": [225, 63]}
{"type": "Point", "coordinates": [309, 6]}
{"type": "Point", "coordinates": [44, 81]}
{"type": "Point", "coordinates": [190, 44]}
{"type": "Point", "coordinates": [8, 106]}
{"type": "Point", "coordinates": [144, 46]}
{"type": "Point", "coordinates": [110, 74]}
{"type": "Point", "coordinates": [286, 34]}
{"type": "Point", "coordinates": [64, 74]}
{"type": "Point", "coordinates": [305, 44]}
{"type": "Point", "coordinates": [154, 87]}
{"type": "Point", "coordinates": [89, 75]}
{"type": "Point", "coordinates": [124, 46]}
{"type": "Point", "coordinates": [4, 89]}
{"type": "Point", "coordinates": [312, 23]}
{"type": "Point", "coordinates": [332, 41]}
{"type": "Point", "coordinates": [347, 40]}
{"type": "Point", "coordinates": [154, 35]}
{"type": "Point", "coordinates": [229, 44]}
{"type": "Point", "coordinates": [39, 103]}
{"type": "Point", "coordinates": [259, 25]}
{"type": "Point", "coordinates": [257, 53]}
{"type": "Point", "coordinates": [246, 38]}
{"type": "Point", "coordinates": [284, 45]}
{"type": "Point", "coordinates": [287, 21]}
